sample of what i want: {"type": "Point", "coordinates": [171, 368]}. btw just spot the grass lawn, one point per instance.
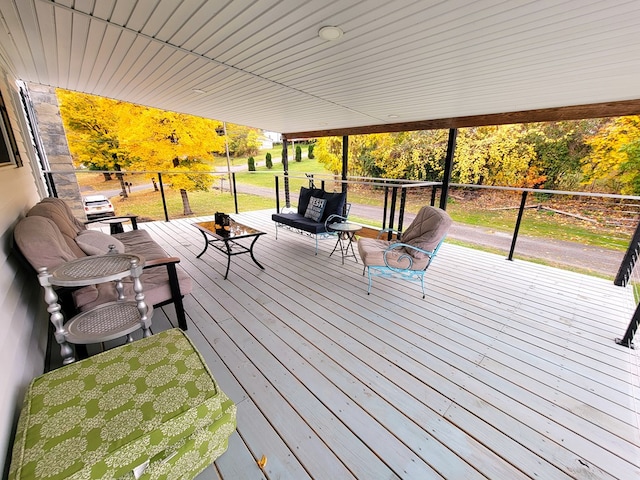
{"type": "Point", "coordinates": [276, 156]}
{"type": "Point", "coordinates": [148, 205]}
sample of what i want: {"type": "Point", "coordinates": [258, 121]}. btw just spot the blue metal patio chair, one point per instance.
{"type": "Point", "coordinates": [409, 256]}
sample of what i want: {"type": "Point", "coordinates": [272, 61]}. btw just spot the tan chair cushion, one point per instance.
{"type": "Point", "coordinates": [58, 211]}
{"type": "Point", "coordinates": [427, 230]}
{"type": "Point", "coordinates": [41, 243]}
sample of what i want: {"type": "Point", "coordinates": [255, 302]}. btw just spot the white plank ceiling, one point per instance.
{"type": "Point", "coordinates": [261, 62]}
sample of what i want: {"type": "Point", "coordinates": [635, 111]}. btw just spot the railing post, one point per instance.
{"type": "Point", "coordinates": [434, 190]}
{"type": "Point", "coordinates": [403, 200]}
{"type": "Point", "coordinates": [277, 194]}
{"type": "Point", "coordinates": [235, 192]}
{"type": "Point", "coordinates": [164, 200]}
{"type": "Point", "coordinates": [627, 340]}
{"type": "Point", "coordinates": [515, 232]}
{"type": "Point", "coordinates": [392, 211]}
{"type": "Point", "coordinates": [629, 260]}
{"type": "Point", "coordinates": [386, 206]}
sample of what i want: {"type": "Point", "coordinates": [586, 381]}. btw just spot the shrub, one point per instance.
{"type": "Point", "coordinates": [267, 161]}
{"type": "Point", "coordinates": [252, 164]}
{"type": "Point", "coordinates": [310, 154]}
{"type": "Point", "coordinates": [298, 153]}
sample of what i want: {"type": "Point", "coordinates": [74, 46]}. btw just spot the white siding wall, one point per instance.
{"type": "Point", "coordinates": [23, 318]}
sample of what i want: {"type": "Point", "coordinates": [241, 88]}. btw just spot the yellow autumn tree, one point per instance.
{"type": "Point", "coordinates": [162, 141]}
{"type": "Point", "coordinates": [496, 155]}
{"type": "Point", "coordinates": [608, 166]}
{"type": "Point", "coordinates": [328, 151]}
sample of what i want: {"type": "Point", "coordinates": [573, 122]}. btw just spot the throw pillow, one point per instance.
{"type": "Point", "coordinates": [93, 242]}
{"type": "Point", "coordinates": [315, 208]}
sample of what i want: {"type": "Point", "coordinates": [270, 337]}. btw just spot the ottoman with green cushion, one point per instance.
{"type": "Point", "coordinates": [148, 409]}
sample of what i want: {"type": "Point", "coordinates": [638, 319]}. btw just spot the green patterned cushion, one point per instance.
{"type": "Point", "coordinates": [151, 401]}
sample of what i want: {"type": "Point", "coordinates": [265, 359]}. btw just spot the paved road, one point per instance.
{"type": "Point", "coordinates": [561, 253]}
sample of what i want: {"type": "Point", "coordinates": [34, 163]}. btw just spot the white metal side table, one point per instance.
{"type": "Point", "coordinates": [104, 322]}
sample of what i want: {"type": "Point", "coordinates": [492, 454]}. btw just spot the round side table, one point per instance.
{"type": "Point", "coordinates": [346, 233]}
{"type": "Point", "coordinates": [104, 322]}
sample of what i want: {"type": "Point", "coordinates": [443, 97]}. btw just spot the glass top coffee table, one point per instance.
{"type": "Point", "coordinates": [225, 239]}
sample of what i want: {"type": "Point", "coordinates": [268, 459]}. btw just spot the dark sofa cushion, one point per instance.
{"type": "Point", "coordinates": [295, 220]}
{"type": "Point", "coordinates": [335, 204]}
{"type": "Point", "coordinates": [305, 196]}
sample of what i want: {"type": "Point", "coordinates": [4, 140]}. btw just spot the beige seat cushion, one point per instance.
{"type": "Point", "coordinates": [155, 279]}
{"type": "Point", "coordinates": [372, 254]}
{"type": "Point", "coordinates": [93, 242]}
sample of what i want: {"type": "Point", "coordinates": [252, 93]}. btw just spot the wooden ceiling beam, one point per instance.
{"type": "Point", "coordinates": [576, 112]}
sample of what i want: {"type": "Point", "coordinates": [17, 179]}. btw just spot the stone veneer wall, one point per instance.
{"type": "Point", "coordinates": [54, 140]}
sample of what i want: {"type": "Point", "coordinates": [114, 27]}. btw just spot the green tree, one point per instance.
{"type": "Point", "coordinates": [267, 160]}
{"type": "Point", "coordinates": [243, 141]}
{"type": "Point", "coordinates": [251, 164]}
{"type": "Point", "coordinates": [298, 153]}
{"type": "Point", "coordinates": [560, 149]}
{"type": "Point", "coordinates": [310, 154]}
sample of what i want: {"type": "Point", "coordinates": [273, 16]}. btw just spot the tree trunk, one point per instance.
{"type": "Point", "coordinates": [107, 176]}
{"type": "Point", "coordinates": [120, 177]}
{"type": "Point", "coordinates": [185, 202]}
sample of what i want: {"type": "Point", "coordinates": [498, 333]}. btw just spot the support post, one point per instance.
{"type": "Point", "coordinates": [448, 167]}
{"type": "Point", "coordinates": [523, 201]}
{"type": "Point", "coordinates": [277, 195]}
{"type": "Point", "coordinates": [285, 167]}
{"type": "Point", "coordinates": [226, 148]}
{"type": "Point", "coordinates": [345, 162]}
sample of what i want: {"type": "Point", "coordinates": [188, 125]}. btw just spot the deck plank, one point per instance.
{"type": "Point", "coordinates": [505, 370]}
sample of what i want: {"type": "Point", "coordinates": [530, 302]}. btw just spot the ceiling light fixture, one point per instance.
{"type": "Point", "coordinates": [330, 33]}
{"type": "Point", "coordinates": [199, 91]}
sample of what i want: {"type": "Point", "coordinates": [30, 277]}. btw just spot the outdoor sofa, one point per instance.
{"type": "Point", "coordinates": [316, 209]}
{"type": "Point", "coordinates": [50, 235]}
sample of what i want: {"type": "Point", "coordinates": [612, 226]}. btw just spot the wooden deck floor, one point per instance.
{"type": "Point", "coordinates": [505, 370]}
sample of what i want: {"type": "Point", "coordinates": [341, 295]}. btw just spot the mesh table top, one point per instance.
{"type": "Point", "coordinates": [106, 322]}
{"type": "Point", "coordinates": [93, 269]}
